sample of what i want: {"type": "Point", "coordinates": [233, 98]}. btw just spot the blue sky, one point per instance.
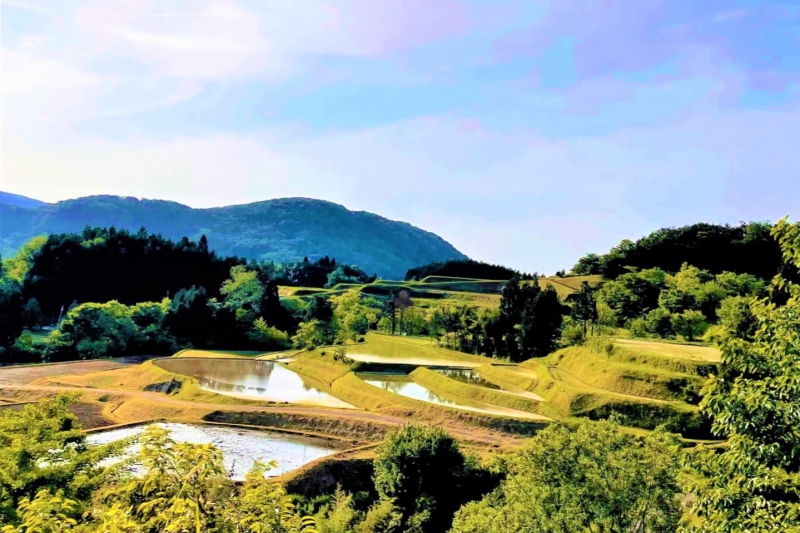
{"type": "Point", "coordinates": [525, 132]}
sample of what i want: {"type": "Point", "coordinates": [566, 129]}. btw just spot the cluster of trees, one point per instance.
{"type": "Point", "coordinates": [112, 292]}
{"type": "Point", "coordinates": [464, 268]}
{"type": "Point", "coordinates": [323, 272]}
{"type": "Point", "coordinates": [248, 315]}
{"type": "Point", "coordinates": [652, 302]}
{"type": "Point", "coordinates": [527, 324]}
{"type": "Point", "coordinates": [746, 248]}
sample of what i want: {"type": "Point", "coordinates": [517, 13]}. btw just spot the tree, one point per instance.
{"type": "Point", "coordinates": [190, 316]}
{"type": "Point", "coordinates": [423, 473]}
{"type": "Point", "coordinates": [353, 314]}
{"type": "Point", "coordinates": [587, 265]}
{"type": "Point", "coordinates": [593, 478]}
{"type": "Point", "coordinates": [32, 316]}
{"type": "Point", "coordinates": [243, 293]}
{"type": "Point", "coordinates": [11, 321]}
{"type": "Point", "coordinates": [753, 483]}
{"type": "Point", "coordinates": [265, 337]}
{"type": "Point", "coordinates": [42, 448]}
{"type": "Point", "coordinates": [690, 324]}
{"type": "Point", "coordinates": [402, 301]}
{"type": "Point", "coordinates": [540, 324]}
{"type": "Point", "coordinates": [584, 306]}
{"type": "Point", "coordinates": [308, 335]}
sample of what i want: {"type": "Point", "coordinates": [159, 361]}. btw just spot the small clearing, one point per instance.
{"type": "Point", "coordinates": [692, 352]}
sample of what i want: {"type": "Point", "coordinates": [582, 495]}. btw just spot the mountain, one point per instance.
{"type": "Point", "coordinates": [7, 198]}
{"type": "Point", "coordinates": [286, 229]}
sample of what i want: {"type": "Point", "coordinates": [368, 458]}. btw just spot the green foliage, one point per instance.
{"type": "Point", "coordinates": [464, 268]}
{"type": "Point", "coordinates": [422, 472]}
{"type": "Point", "coordinates": [754, 482]}
{"type": "Point", "coordinates": [747, 248]}
{"type": "Point", "coordinates": [91, 331]}
{"type": "Point", "coordinates": [353, 314]}
{"type": "Point", "coordinates": [44, 456]}
{"type": "Point", "coordinates": [243, 293]}
{"type": "Point", "coordinates": [308, 335]}
{"type": "Point", "coordinates": [17, 267]}
{"type": "Point", "coordinates": [736, 316]}
{"type": "Point", "coordinates": [266, 337]}
{"type": "Point", "coordinates": [593, 478]}
{"type": "Point", "coordinates": [572, 335]}
{"type": "Point", "coordinates": [690, 324]}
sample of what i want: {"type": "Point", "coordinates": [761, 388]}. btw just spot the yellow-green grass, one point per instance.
{"type": "Point", "coordinates": [399, 347]}
{"type": "Point", "coordinates": [507, 378]}
{"type": "Point", "coordinates": [567, 395]}
{"type": "Point", "coordinates": [616, 373]}
{"type": "Point", "coordinates": [441, 384]}
{"type": "Point", "coordinates": [691, 352]}
{"type": "Point", "coordinates": [314, 364]}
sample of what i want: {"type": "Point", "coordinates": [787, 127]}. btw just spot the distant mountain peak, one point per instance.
{"type": "Point", "coordinates": [8, 198]}
{"type": "Point", "coordinates": [282, 230]}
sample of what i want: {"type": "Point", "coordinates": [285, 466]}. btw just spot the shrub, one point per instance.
{"type": "Point", "coordinates": [572, 335]}
{"type": "Point", "coordinates": [601, 345]}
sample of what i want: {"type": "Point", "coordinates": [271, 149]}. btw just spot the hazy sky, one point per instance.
{"type": "Point", "coordinates": [524, 132]}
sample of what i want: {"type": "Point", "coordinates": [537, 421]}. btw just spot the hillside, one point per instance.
{"type": "Point", "coordinates": [282, 230]}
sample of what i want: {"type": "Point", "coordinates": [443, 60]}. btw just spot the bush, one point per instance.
{"type": "Point", "coordinates": [690, 324]}
{"type": "Point", "coordinates": [659, 322]}
{"type": "Point", "coordinates": [638, 328]}
{"type": "Point", "coordinates": [572, 335]}
{"type": "Point", "coordinates": [601, 345]}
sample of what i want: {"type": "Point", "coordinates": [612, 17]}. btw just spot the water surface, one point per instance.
{"type": "Point", "coordinates": [240, 447]}
{"type": "Point", "coordinates": [406, 386]}
{"type": "Point", "coordinates": [252, 379]}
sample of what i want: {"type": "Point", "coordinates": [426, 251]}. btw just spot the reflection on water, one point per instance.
{"type": "Point", "coordinates": [466, 375]}
{"type": "Point", "coordinates": [405, 386]}
{"type": "Point", "coordinates": [250, 378]}
{"type": "Point", "coordinates": [240, 447]}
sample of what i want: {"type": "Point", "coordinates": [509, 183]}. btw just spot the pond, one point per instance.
{"type": "Point", "coordinates": [240, 447]}
{"type": "Point", "coordinates": [406, 386]}
{"type": "Point", "coordinates": [251, 379]}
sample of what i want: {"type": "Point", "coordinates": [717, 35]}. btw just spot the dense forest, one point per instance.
{"type": "Point", "coordinates": [283, 230]}
{"type": "Point", "coordinates": [464, 268]}
{"type": "Point", "coordinates": [746, 248]}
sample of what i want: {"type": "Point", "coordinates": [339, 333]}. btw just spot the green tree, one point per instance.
{"type": "Point", "coordinates": [659, 322]}
{"type": "Point", "coordinates": [265, 337]}
{"type": "Point", "coordinates": [753, 483]}
{"type": "Point", "coordinates": [690, 324]}
{"type": "Point", "coordinates": [584, 306]}
{"type": "Point", "coordinates": [423, 473]}
{"type": "Point", "coordinates": [736, 316]}
{"type": "Point", "coordinates": [540, 324]}
{"type": "Point", "coordinates": [595, 478]}
{"type": "Point", "coordinates": [43, 450]}
{"type": "Point", "coordinates": [243, 293]}
{"type": "Point", "coordinates": [353, 314]}
{"type": "Point", "coordinates": [308, 335]}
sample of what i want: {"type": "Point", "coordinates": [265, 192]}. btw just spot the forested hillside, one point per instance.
{"type": "Point", "coordinates": [281, 230]}
{"type": "Point", "coordinates": [746, 248]}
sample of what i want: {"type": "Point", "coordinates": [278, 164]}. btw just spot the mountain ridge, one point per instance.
{"type": "Point", "coordinates": [282, 229]}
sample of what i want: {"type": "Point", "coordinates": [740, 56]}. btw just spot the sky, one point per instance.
{"type": "Point", "coordinates": [526, 133]}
